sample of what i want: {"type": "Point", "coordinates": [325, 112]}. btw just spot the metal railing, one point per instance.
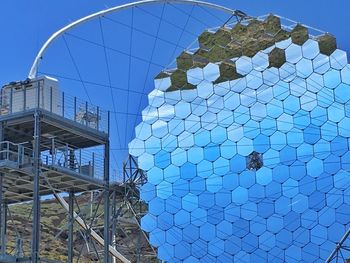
{"type": "Point", "coordinates": [83, 161]}
{"type": "Point", "coordinates": [15, 153]}
{"type": "Point", "coordinates": [20, 98]}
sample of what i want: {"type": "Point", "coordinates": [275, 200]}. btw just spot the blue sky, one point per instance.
{"type": "Point", "coordinates": [25, 25]}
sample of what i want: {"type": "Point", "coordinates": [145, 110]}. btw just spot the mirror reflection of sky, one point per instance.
{"type": "Point", "coordinates": [154, 45]}
{"type": "Point", "coordinates": [208, 201]}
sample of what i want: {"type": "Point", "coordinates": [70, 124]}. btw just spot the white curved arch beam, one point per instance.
{"type": "Point", "coordinates": [34, 69]}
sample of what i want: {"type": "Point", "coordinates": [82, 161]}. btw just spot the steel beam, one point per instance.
{"type": "Point", "coordinates": [36, 189]}
{"type": "Point", "coordinates": [94, 235]}
{"type": "Point", "coordinates": [106, 230]}
{"type": "Point", "coordinates": [2, 218]}
{"type": "Point", "coordinates": [3, 207]}
{"type": "Point", "coordinates": [4, 228]}
{"type": "Point", "coordinates": [114, 224]}
{"type": "Point", "coordinates": [34, 69]}
{"type": "Point", "coordinates": [339, 246]}
{"type": "Point", "coordinates": [70, 227]}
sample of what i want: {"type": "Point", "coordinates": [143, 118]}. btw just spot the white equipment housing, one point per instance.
{"type": "Point", "coordinates": [42, 92]}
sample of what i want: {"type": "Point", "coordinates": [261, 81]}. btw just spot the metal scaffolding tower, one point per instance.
{"type": "Point", "coordinates": [48, 148]}
{"type": "Point", "coordinates": [127, 213]}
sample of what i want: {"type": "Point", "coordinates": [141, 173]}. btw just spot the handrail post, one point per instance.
{"type": "Point", "coordinates": [51, 99]}
{"type": "Point", "coordinates": [75, 108]}
{"type": "Point", "coordinates": [11, 100]}
{"type": "Point", "coordinates": [24, 99]}
{"type": "Point", "coordinates": [86, 113]}
{"type": "Point", "coordinates": [108, 122]}
{"type": "Point", "coordinates": [97, 118]}
{"type": "Point", "coordinates": [38, 95]}
{"type": "Point", "coordinates": [70, 226]}
{"type": "Point", "coordinates": [19, 154]}
{"type": "Point", "coordinates": [93, 165]}
{"type": "Point", "coordinates": [53, 151]}
{"type": "Point", "coordinates": [35, 246]}
{"type": "Point", "coordinates": [79, 160]}
{"type": "Point", "coordinates": [7, 151]}
{"type": "Point", "coordinates": [62, 104]}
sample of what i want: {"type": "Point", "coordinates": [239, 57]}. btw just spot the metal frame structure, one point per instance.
{"type": "Point", "coordinates": [39, 179]}
{"type": "Point", "coordinates": [133, 178]}
{"type": "Point", "coordinates": [43, 180]}
{"type": "Point", "coordinates": [337, 254]}
{"type": "Point", "coordinates": [26, 132]}
{"type": "Point", "coordinates": [34, 69]}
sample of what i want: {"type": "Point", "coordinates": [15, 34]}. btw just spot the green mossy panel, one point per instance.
{"type": "Point", "coordinates": [178, 78]}
{"type": "Point", "coordinates": [255, 29]}
{"type": "Point", "coordinates": [184, 61]}
{"type": "Point", "coordinates": [187, 86]}
{"type": "Point", "coordinates": [251, 47]}
{"type": "Point", "coordinates": [259, 35]}
{"type": "Point", "coordinates": [218, 53]}
{"type": "Point", "coordinates": [272, 24]}
{"type": "Point", "coordinates": [281, 35]}
{"type": "Point", "coordinates": [277, 58]}
{"type": "Point", "coordinates": [222, 37]}
{"type": "Point", "coordinates": [227, 72]}
{"type": "Point", "coordinates": [206, 40]}
{"type": "Point", "coordinates": [200, 58]}
{"type": "Point", "coordinates": [299, 34]}
{"type": "Point", "coordinates": [241, 40]}
{"type": "Point", "coordinates": [266, 41]}
{"type": "Point", "coordinates": [162, 75]}
{"type": "Point", "coordinates": [235, 50]}
{"type": "Point", "coordinates": [238, 30]}
{"type": "Point", "coordinates": [327, 44]}
{"type": "Point", "coordinates": [179, 81]}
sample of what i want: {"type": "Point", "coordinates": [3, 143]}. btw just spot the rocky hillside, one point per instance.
{"type": "Point", "coordinates": [54, 233]}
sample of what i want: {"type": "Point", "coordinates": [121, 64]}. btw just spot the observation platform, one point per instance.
{"type": "Point", "coordinates": [67, 118]}
{"type": "Point", "coordinates": [16, 163]}
{"type": "Point", "coordinates": [74, 138]}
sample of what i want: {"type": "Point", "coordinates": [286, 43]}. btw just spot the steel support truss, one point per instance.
{"type": "Point", "coordinates": [82, 240]}
{"type": "Point", "coordinates": [337, 254]}
{"type": "Point", "coordinates": [126, 216]}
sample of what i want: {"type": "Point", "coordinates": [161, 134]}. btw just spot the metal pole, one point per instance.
{"type": "Point", "coordinates": [86, 114]}
{"type": "Point", "coordinates": [4, 227]}
{"type": "Point", "coordinates": [1, 201]}
{"type": "Point", "coordinates": [93, 165]}
{"type": "Point", "coordinates": [106, 204]}
{"type": "Point", "coordinates": [50, 99]}
{"type": "Point", "coordinates": [139, 251]}
{"type": "Point", "coordinates": [36, 187]}
{"type": "Point", "coordinates": [338, 247]}
{"type": "Point", "coordinates": [108, 122]}
{"type": "Point", "coordinates": [75, 108]}
{"type": "Point", "coordinates": [53, 151]}
{"type": "Point", "coordinates": [24, 99]}
{"type": "Point", "coordinates": [62, 104]}
{"type": "Point", "coordinates": [38, 95]}
{"type": "Point", "coordinates": [98, 118]}
{"type": "Point", "coordinates": [70, 227]}
{"type": "Point", "coordinates": [80, 161]}
{"type": "Point", "coordinates": [114, 224]}
{"type": "Point", "coordinates": [11, 100]}
{"type": "Point", "coordinates": [91, 203]}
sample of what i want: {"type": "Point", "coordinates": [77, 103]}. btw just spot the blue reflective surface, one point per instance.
{"type": "Point", "coordinates": [205, 205]}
